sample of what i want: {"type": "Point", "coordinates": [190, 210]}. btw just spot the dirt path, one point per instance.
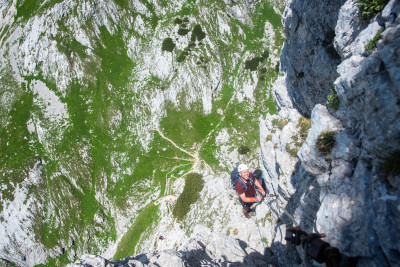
{"type": "Point", "coordinates": [197, 162]}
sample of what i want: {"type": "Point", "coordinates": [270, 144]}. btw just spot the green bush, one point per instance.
{"type": "Point", "coordinates": [370, 8]}
{"type": "Point", "coordinates": [181, 57]}
{"type": "Point", "coordinates": [191, 192]}
{"type": "Point", "coordinates": [168, 45]}
{"type": "Point", "coordinates": [182, 31]}
{"type": "Point", "coordinates": [243, 150]}
{"type": "Point", "coordinates": [325, 142]}
{"type": "Point", "coordinates": [277, 67]}
{"type": "Point", "coordinates": [279, 123]}
{"type": "Point", "coordinates": [198, 33]}
{"type": "Point", "coordinates": [371, 46]}
{"type": "Point", "coordinates": [178, 21]}
{"type": "Point", "coordinates": [186, 51]}
{"type": "Point", "coordinates": [333, 100]}
{"type": "Point", "coordinates": [265, 54]}
{"type": "Point", "coordinates": [252, 64]}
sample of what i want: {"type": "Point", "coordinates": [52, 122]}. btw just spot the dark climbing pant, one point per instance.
{"type": "Point", "coordinates": [246, 205]}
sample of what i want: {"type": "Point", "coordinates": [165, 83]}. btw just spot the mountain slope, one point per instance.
{"type": "Point", "coordinates": [89, 90]}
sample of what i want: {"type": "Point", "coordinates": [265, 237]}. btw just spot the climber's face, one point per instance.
{"type": "Point", "coordinates": [245, 174]}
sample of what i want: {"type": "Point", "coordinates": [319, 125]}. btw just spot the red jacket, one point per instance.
{"type": "Point", "coordinates": [251, 191]}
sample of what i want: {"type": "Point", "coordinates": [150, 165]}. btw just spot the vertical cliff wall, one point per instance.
{"type": "Point", "coordinates": [308, 57]}
{"type": "Point", "coordinates": [352, 193]}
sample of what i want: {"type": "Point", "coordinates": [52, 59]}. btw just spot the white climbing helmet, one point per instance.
{"type": "Point", "coordinates": [242, 167]}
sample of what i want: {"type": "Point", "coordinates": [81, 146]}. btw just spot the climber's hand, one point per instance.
{"type": "Point", "coordinates": [258, 198]}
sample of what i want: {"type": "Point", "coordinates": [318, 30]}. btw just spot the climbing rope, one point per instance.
{"type": "Point", "coordinates": [254, 206]}
{"type": "Point", "coordinates": [258, 226]}
{"type": "Point", "coordinates": [262, 241]}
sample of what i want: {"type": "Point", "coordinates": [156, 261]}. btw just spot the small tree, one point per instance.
{"type": "Point", "coordinates": [182, 31]}
{"type": "Point", "coordinates": [168, 45]}
{"type": "Point", "coordinates": [198, 33]}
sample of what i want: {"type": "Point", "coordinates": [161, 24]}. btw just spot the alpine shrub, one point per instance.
{"type": "Point", "coordinates": [279, 123]}
{"type": "Point", "coordinates": [181, 57]}
{"type": "Point", "coordinates": [182, 31]}
{"type": "Point", "coordinates": [168, 45]}
{"type": "Point", "coordinates": [252, 64]}
{"type": "Point", "coordinates": [333, 100]}
{"type": "Point", "coordinates": [325, 142]}
{"type": "Point", "coordinates": [178, 21]}
{"type": "Point", "coordinates": [198, 33]}
{"type": "Point", "coordinates": [292, 150]}
{"type": "Point", "coordinates": [191, 192]}
{"type": "Point", "coordinates": [370, 8]}
{"type": "Point", "coordinates": [265, 54]}
{"type": "Point", "coordinates": [305, 125]}
{"type": "Point", "coordinates": [243, 150]}
{"type": "Point", "coordinates": [371, 46]}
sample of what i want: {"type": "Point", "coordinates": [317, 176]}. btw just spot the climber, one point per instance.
{"type": "Point", "coordinates": [246, 187]}
{"type": "Point", "coordinates": [318, 249]}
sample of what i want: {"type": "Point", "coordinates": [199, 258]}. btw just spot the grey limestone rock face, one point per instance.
{"type": "Point", "coordinates": [308, 56]}
{"type": "Point", "coordinates": [346, 194]}
{"type": "Point", "coordinates": [240, 9]}
{"type": "Point", "coordinates": [368, 88]}
{"type": "Point", "coordinates": [297, 190]}
{"type": "Point", "coordinates": [204, 248]}
{"type": "Point", "coordinates": [321, 120]}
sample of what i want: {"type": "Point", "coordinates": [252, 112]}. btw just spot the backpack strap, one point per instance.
{"type": "Point", "coordinates": [252, 178]}
{"type": "Point", "coordinates": [242, 183]}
